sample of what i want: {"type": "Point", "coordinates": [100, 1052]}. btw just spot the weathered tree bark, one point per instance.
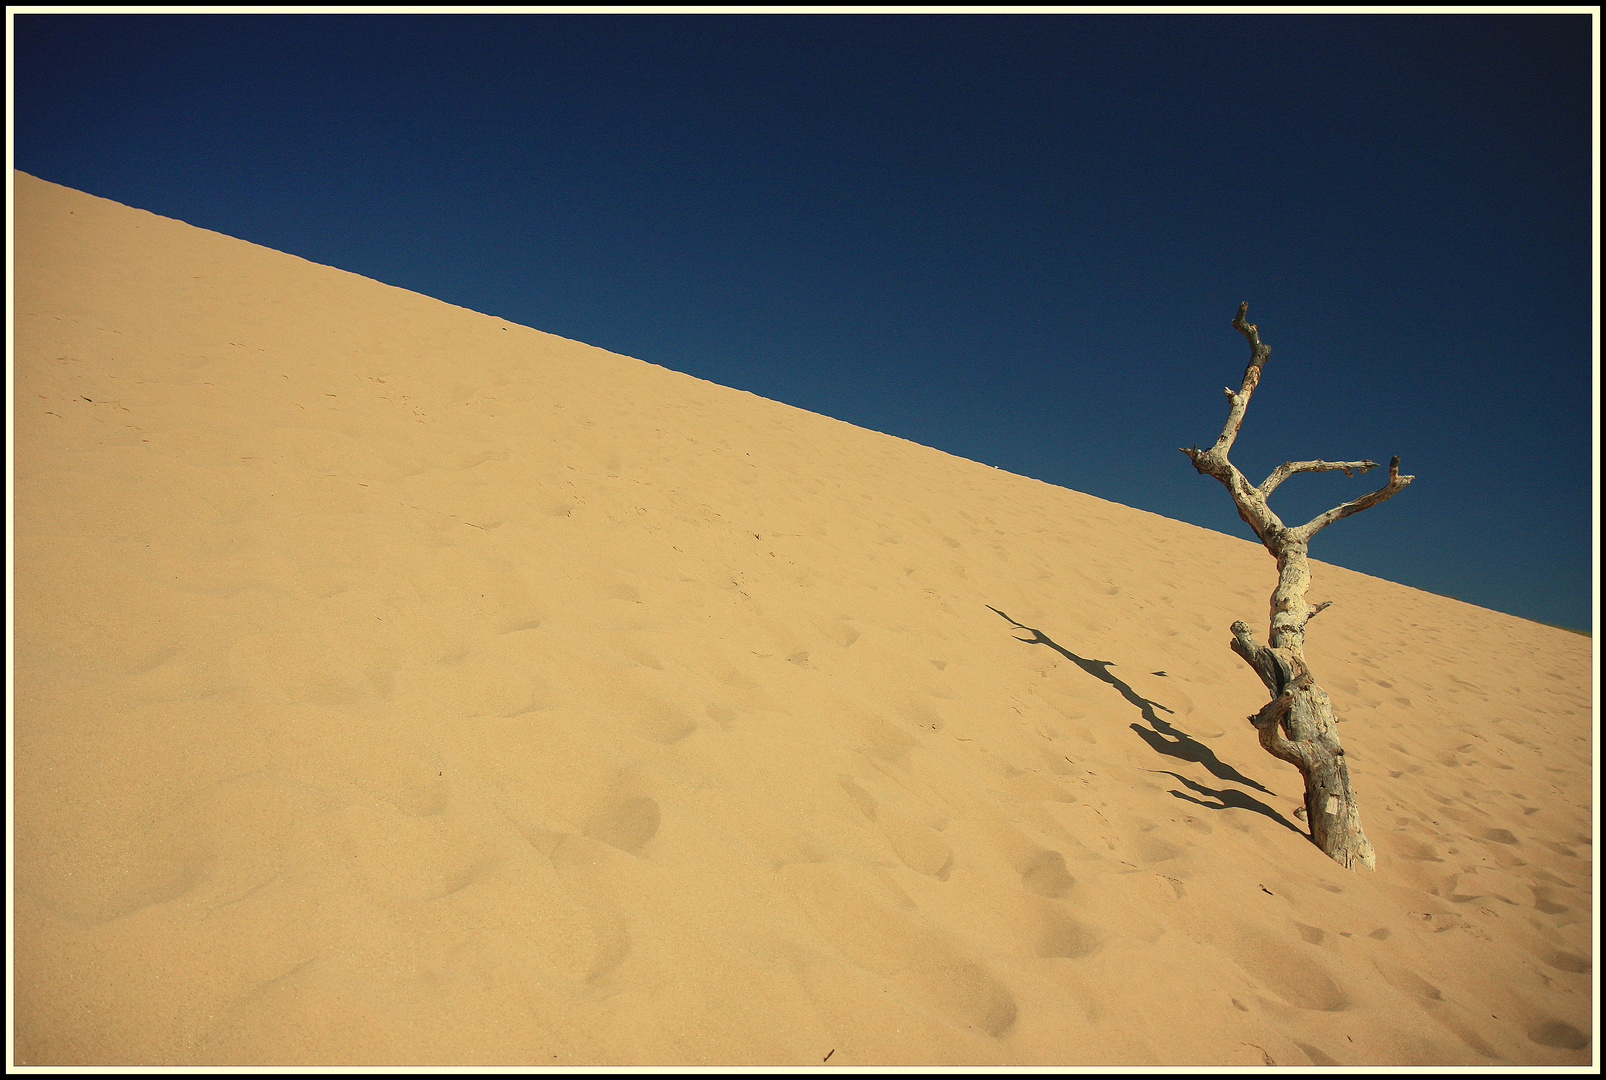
{"type": "Point", "coordinates": [1297, 725]}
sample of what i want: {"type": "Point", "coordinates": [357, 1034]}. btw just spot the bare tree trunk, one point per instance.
{"type": "Point", "coordinates": [1297, 725]}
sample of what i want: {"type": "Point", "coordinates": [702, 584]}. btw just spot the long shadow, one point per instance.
{"type": "Point", "coordinates": [1228, 797]}
{"type": "Point", "coordinates": [1162, 737]}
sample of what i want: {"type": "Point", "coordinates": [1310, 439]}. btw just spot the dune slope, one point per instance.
{"type": "Point", "coordinates": [395, 684]}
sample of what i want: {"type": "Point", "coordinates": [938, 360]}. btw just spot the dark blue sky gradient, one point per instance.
{"type": "Point", "coordinates": [1020, 239]}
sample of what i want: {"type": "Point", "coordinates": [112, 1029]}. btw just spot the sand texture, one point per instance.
{"type": "Point", "coordinates": [395, 684]}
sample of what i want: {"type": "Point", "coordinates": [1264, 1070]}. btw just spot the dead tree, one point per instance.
{"type": "Point", "coordinates": [1297, 725]}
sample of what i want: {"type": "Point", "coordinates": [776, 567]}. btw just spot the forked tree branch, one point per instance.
{"type": "Point", "coordinates": [1289, 468]}
{"type": "Point", "coordinates": [1251, 500]}
{"type": "Point", "coordinates": [1355, 506]}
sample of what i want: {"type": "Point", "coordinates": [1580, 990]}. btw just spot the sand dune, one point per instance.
{"type": "Point", "coordinates": [395, 684]}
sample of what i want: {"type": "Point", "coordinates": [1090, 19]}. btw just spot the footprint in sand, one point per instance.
{"type": "Point", "coordinates": [1061, 937]}
{"type": "Point", "coordinates": [838, 631]}
{"type": "Point", "coordinates": [901, 947]}
{"type": "Point", "coordinates": [1281, 967]}
{"type": "Point", "coordinates": [474, 686]}
{"type": "Point", "coordinates": [410, 858]}
{"type": "Point", "coordinates": [723, 715]}
{"type": "Point", "coordinates": [1544, 900]}
{"type": "Point", "coordinates": [626, 824]}
{"type": "Point", "coordinates": [1406, 846]}
{"type": "Point", "coordinates": [583, 934]}
{"type": "Point", "coordinates": [1048, 931]}
{"type": "Point", "coordinates": [218, 846]}
{"type": "Point", "coordinates": [1562, 960]}
{"type": "Point", "coordinates": [663, 723]}
{"type": "Point", "coordinates": [1407, 981]}
{"type": "Point", "coordinates": [608, 943]}
{"type": "Point", "coordinates": [1043, 872]}
{"type": "Point", "coordinates": [1152, 849]}
{"type": "Point", "coordinates": [1313, 935]}
{"type": "Point", "coordinates": [1559, 1035]}
{"type": "Point", "coordinates": [917, 847]}
{"type": "Point", "coordinates": [1034, 786]}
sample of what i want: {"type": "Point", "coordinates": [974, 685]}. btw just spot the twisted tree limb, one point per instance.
{"type": "Point", "coordinates": [1297, 725]}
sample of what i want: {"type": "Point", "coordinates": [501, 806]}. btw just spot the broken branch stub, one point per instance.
{"type": "Point", "coordinates": [1297, 725]}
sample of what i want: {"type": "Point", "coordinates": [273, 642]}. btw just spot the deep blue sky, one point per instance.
{"type": "Point", "coordinates": [1020, 239]}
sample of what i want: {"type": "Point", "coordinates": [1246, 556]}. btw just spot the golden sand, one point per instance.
{"type": "Point", "coordinates": [395, 684]}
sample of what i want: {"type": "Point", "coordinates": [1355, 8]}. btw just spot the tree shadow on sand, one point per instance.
{"type": "Point", "coordinates": [1226, 797]}
{"type": "Point", "coordinates": [1161, 736]}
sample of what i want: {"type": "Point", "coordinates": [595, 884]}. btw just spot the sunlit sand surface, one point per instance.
{"type": "Point", "coordinates": [399, 685]}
